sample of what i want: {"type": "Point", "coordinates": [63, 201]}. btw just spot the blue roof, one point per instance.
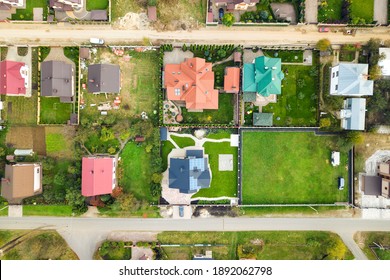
{"type": "Point", "coordinates": [163, 134]}
{"type": "Point", "coordinates": [189, 174]}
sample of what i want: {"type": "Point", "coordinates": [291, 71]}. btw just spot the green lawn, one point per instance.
{"type": "Point", "coordinates": [55, 142]}
{"type": "Point", "coordinates": [363, 9]}
{"type": "Point", "coordinates": [219, 73]}
{"type": "Point", "coordinates": [324, 211]}
{"type": "Point", "coordinates": [290, 168]}
{"type": "Point", "coordinates": [224, 114]}
{"type": "Point", "coordinates": [119, 8]}
{"type": "Point", "coordinates": [47, 210]}
{"type": "Point", "coordinates": [347, 55]}
{"type": "Point", "coordinates": [8, 235]}
{"type": "Point", "coordinates": [297, 105]}
{"type": "Point", "coordinates": [183, 142]}
{"type": "Point", "coordinates": [273, 245]}
{"type": "Point", "coordinates": [42, 245]}
{"type": "Point", "coordinates": [221, 134]}
{"type": "Point", "coordinates": [331, 13]}
{"type": "Point", "coordinates": [53, 111]}
{"type": "Point", "coordinates": [27, 14]}
{"type": "Point", "coordinates": [112, 250]}
{"type": "Point", "coordinates": [223, 183]}
{"type": "Point", "coordinates": [166, 148]}
{"type": "Point", "coordinates": [97, 4]}
{"type": "Point", "coordinates": [21, 110]}
{"type": "Point", "coordinates": [136, 177]}
{"type": "Point", "coordinates": [286, 56]}
{"type": "Point", "coordinates": [368, 239]}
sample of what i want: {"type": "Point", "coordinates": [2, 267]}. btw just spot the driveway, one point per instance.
{"type": "Point", "coordinates": [284, 11]}
{"type": "Point", "coordinates": [176, 56]}
{"type": "Point", "coordinates": [380, 11]}
{"type": "Point", "coordinates": [311, 11]}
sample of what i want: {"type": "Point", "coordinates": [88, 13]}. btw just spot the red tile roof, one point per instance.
{"type": "Point", "coordinates": [232, 80]}
{"type": "Point", "coordinates": [152, 13]}
{"type": "Point", "coordinates": [191, 81]}
{"type": "Point", "coordinates": [11, 80]}
{"type": "Point", "coordinates": [98, 175]}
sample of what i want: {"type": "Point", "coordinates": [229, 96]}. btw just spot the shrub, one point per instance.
{"type": "Point", "coordinates": [228, 19]}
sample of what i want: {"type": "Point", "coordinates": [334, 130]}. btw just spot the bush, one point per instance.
{"type": "Point", "coordinates": [228, 19]}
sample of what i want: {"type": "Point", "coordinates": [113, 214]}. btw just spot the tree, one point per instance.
{"type": "Point", "coordinates": [325, 122]}
{"type": "Point", "coordinates": [106, 134]}
{"type": "Point", "coordinates": [127, 202]}
{"type": "Point", "coordinates": [375, 72]}
{"type": "Point", "coordinates": [156, 178]}
{"type": "Point", "coordinates": [264, 14]}
{"type": "Point", "coordinates": [323, 45]}
{"type": "Point", "coordinates": [228, 19]}
{"type": "Point", "coordinates": [74, 198]}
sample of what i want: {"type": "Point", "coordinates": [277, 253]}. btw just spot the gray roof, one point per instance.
{"type": "Point", "coordinates": [57, 80]}
{"type": "Point", "coordinates": [250, 96]}
{"type": "Point", "coordinates": [99, 15]}
{"type": "Point", "coordinates": [263, 119]}
{"type": "Point", "coordinates": [104, 78]}
{"type": "Point", "coordinates": [352, 80]}
{"type": "Point", "coordinates": [191, 173]}
{"type": "Point", "coordinates": [354, 113]}
{"type": "Point", "coordinates": [372, 185]}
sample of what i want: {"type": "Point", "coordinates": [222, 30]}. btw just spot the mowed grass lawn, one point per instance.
{"type": "Point", "coordinates": [277, 245]}
{"type": "Point", "coordinates": [297, 105]}
{"type": "Point", "coordinates": [97, 4]}
{"type": "Point", "coordinates": [166, 148]}
{"type": "Point", "coordinates": [333, 12]}
{"type": "Point", "coordinates": [27, 14]}
{"type": "Point", "coordinates": [291, 167]}
{"type": "Point", "coordinates": [21, 110]}
{"type": "Point", "coordinates": [363, 9]}
{"type": "Point", "coordinates": [224, 114]}
{"type": "Point", "coordinates": [136, 177]}
{"type": "Point", "coordinates": [52, 111]}
{"type": "Point", "coordinates": [369, 238]}
{"type": "Point", "coordinates": [223, 183]}
{"type": "Point", "coordinates": [183, 142]}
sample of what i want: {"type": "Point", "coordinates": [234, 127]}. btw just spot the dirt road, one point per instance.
{"type": "Point", "coordinates": [43, 34]}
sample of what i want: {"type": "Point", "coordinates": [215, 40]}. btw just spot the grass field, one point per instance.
{"type": "Point", "coordinates": [221, 134]}
{"type": "Point", "coordinates": [20, 110]}
{"type": "Point", "coordinates": [331, 13]}
{"type": "Point", "coordinates": [8, 235]}
{"type": "Point", "coordinates": [223, 183]}
{"type": "Point", "coordinates": [366, 239]}
{"type": "Point", "coordinates": [53, 111]}
{"type": "Point", "coordinates": [297, 105]}
{"type": "Point", "coordinates": [136, 173]}
{"type": "Point", "coordinates": [285, 56]}
{"type": "Point", "coordinates": [27, 14]}
{"type": "Point", "coordinates": [281, 245]}
{"type": "Point", "coordinates": [166, 148]}
{"type": "Point", "coordinates": [60, 141]}
{"type": "Point", "coordinates": [290, 168]}
{"type": "Point", "coordinates": [55, 142]}
{"type": "Point", "coordinates": [111, 250]}
{"type": "Point", "coordinates": [363, 9]}
{"type": "Point", "coordinates": [224, 114]}
{"type": "Point", "coordinates": [97, 4]}
{"type": "Point", "coordinates": [185, 10]}
{"type": "Point", "coordinates": [119, 8]}
{"type": "Point", "coordinates": [183, 142]}
{"type": "Point", "coordinates": [41, 245]}
{"type": "Point", "coordinates": [47, 210]}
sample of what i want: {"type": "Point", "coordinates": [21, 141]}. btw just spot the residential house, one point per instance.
{"type": "Point", "coordinates": [66, 5]}
{"type": "Point", "coordinates": [378, 185]}
{"type": "Point", "coordinates": [191, 84]}
{"type": "Point", "coordinates": [13, 78]}
{"type": "Point", "coordinates": [232, 5]}
{"type": "Point", "coordinates": [264, 77]}
{"type": "Point", "coordinates": [104, 78]}
{"type": "Point", "coordinates": [263, 119]}
{"type": "Point", "coordinates": [191, 173]}
{"type": "Point", "coordinates": [21, 180]}
{"type": "Point", "coordinates": [98, 175]}
{"type": "Point", "coordinates": [350, 79]}
{"type": "Point", "coordinates": [353, 114]}
{"type": "Point", "coordinates": [7, 4]}
{"type": "Point", "coordinates": [232, 80]}
{"type": "Point", "coordinates": [57, 80]}
{"type": "Point", "coordinates": [384, 63]}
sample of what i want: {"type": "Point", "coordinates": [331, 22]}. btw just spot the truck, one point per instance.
{"type": "Point", "coordinates": [96, 41]}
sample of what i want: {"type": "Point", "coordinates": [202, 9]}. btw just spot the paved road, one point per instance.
{"type": "Point", "coordinates": [40, 34]}
{"type": "Point", "coordinates": [83, 234]}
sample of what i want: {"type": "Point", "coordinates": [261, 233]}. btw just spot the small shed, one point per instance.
{"type": "Point", "coordinates": [84, 53]}
{"type": "Point", "coordinates": [335, 158]}
{"type": "Point", "coordinates": [237, 57]}
{"type": "Point", "coordinates": [152, 13]}
{"type": "Point", "coordinates": [23, 152]}
{"type": "Point", "coordinates": [263, 119]}
{"type": "Point", "coordinates": [139, 139]}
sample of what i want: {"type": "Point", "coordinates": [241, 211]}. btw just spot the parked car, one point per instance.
{"type": "Point", "coordinates": [221, 12]}
{"type": "Point", "coordinates": [96, 41]}
{"type": "Point", "coordinates": [181, 211]}
{"type": "Point", "coordinates": [323, 29]}
{"type": "Point", "coordinates": [341, 183]}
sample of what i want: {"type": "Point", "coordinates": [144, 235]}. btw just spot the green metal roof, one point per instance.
{"type": "Point", "coordinates": [250, 96]}
{"type": "Point", "coordinates": [264, 76]}
{"type": "Point", "coordinates": [263, 119]}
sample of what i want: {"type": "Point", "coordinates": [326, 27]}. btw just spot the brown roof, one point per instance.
{"type": "Point", "coordinates": [371, 185]}
{"type": "Point", "coordinates": [57, 80]}
{"type": "Point", "coordinates": [84, 53]}
{"type": "Point", "coordinates": [99, 15]}
{"type": "Point", "coordinates": [384, 168]}
{"type": "Point", "coordinates": [139, 139]}
{"type": "Point", "coordinates": [104, 78]}
{"type": "Point", "coordinates": [19, 181]}
{"type": "Point", "coordinates": [152, 13]}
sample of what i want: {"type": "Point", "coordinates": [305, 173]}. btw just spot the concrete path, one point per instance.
{"type": "Point", "coordinates": [352, 246]}
{"type": "Point", "coordinates": [198, 142]}
{"type": "Point", "coordinates": [380, 11]}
